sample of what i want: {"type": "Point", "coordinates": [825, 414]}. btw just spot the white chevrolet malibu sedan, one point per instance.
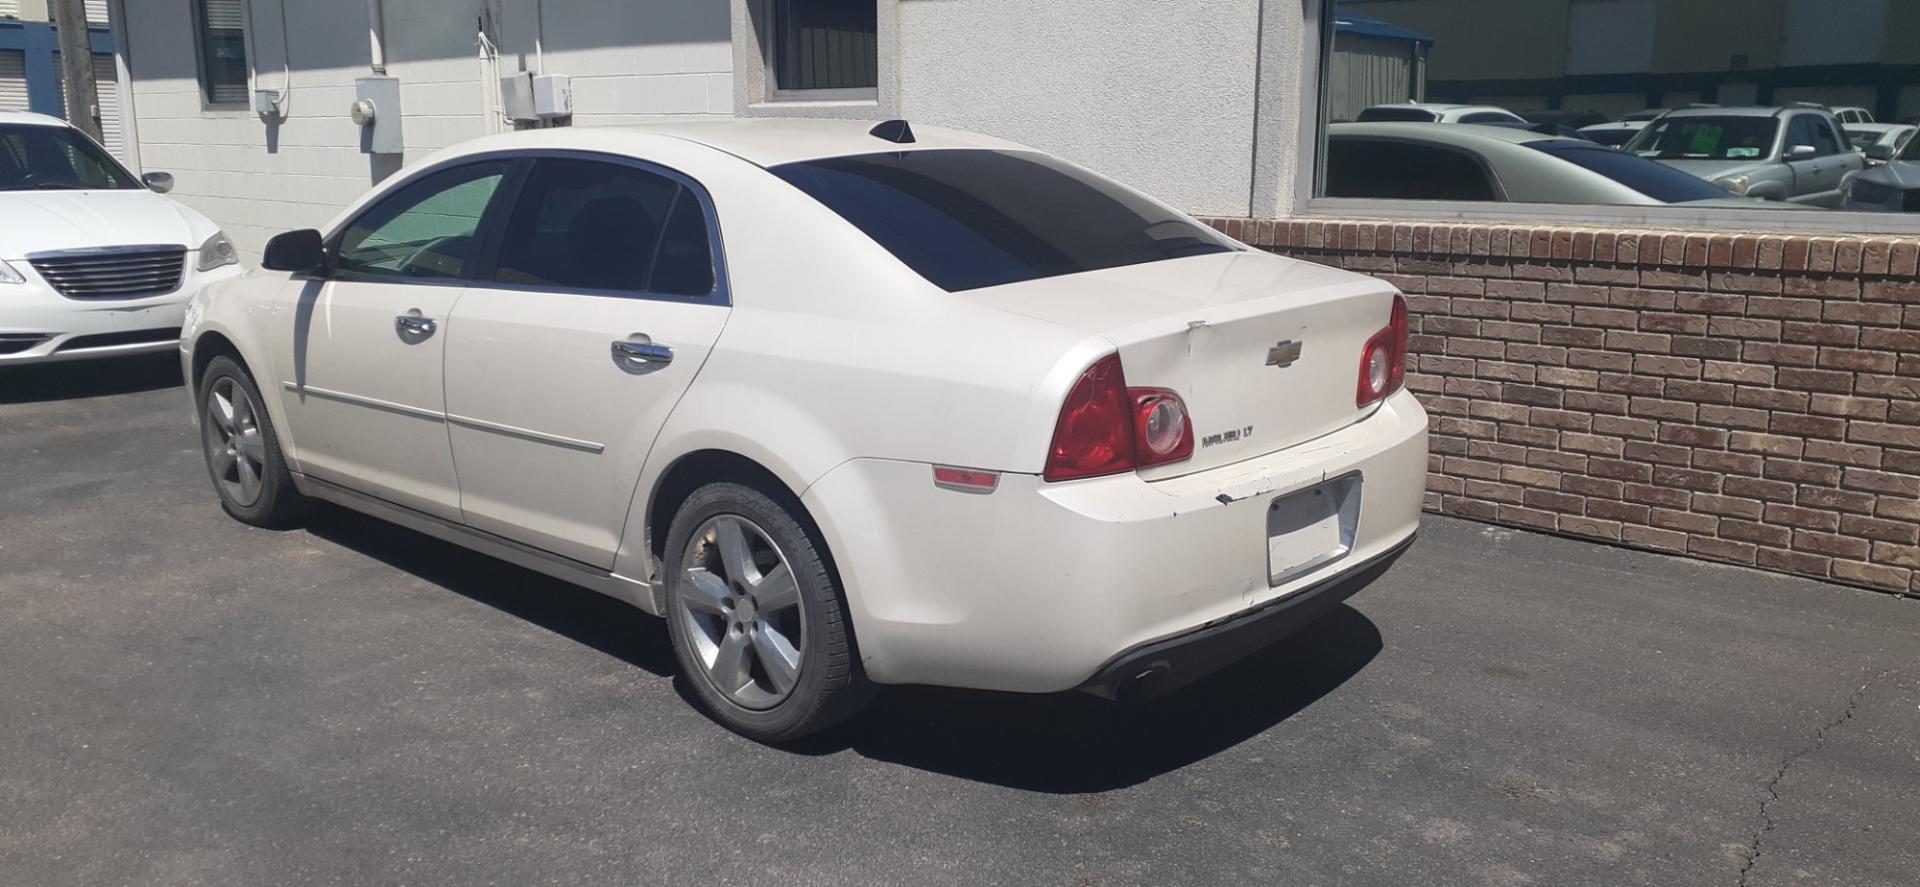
{"type": "Point", "coordinates": [847, 405]}
{"type": "Point", "coordinates": [93, 263]}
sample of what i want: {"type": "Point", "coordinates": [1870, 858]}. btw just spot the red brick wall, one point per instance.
{"type": "Point", "coordinates": [1751, 399]}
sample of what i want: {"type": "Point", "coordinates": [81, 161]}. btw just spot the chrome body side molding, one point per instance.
{"type": "Point", "coordinates": [637, 592]}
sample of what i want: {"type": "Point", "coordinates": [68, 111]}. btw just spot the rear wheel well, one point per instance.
{"type": "Point", "coordinates": [701, 467]}
{"type": "Point", "coordinates": [208, 347]}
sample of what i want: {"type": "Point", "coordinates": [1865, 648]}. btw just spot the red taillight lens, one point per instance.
{"type": "Point", "coordinates": [1107, 428]}
{"type": "Point", "coordinates": [1162, 431]}
{"type": "Point", "coordinates": [1383, 362]}
{"type": "Point", "coordinates": [1094, 435]}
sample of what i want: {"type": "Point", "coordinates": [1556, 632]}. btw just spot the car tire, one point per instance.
{"type": "Point", "coordinates": [243, 455]}
{"type": "Point", "coordinates": [744, 574]}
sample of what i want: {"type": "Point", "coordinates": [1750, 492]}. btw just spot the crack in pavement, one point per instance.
{"type": "Point", "coordinates": [1773, 785]}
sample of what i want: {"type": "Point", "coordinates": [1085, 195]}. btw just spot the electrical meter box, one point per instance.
{"type": "Point", "coordinates": [516, 97]}
{"type": "Point", "coordinates": [380, 130]}
{"type": "Point", "coordinates": [552, 96]}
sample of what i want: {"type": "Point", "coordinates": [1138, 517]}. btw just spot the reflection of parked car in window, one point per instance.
{"type": "Point", "coordinates": [1794, 154]}
{"type": "Point", "coordinates": [1498, 163]}
{"type": "Point", "coordinates": [1879, 142]}
{"type": "Point", "coordinates": [93, 263]}
{"type": "Point", "coordinates": [1422, 112]}
{"type": "Point", "coordinates": [1853, 115]}
{"type": "Point", "coordinates": [1615, 134]}
{"type": "Point", "coordinates": [1892, 187]}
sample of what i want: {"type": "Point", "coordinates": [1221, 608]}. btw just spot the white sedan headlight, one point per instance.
{"type": "Point", "coordinates": [8, 275]}
{"type": "Point", "coordinates": [1736, 184]}
{"type": "Point", "coordinates": [217, 251]}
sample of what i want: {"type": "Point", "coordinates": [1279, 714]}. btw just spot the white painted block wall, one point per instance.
{"type": "Point", "coordinates": [631, 61]}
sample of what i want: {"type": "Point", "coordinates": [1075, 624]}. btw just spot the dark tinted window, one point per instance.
{"type": "Point", "coordinates": [826, 44]}
{"type": "Point", "coordinates": [966, 219]}
{"type": "Point", "coordinates": [55, 158]}
{"type": "Point", "coordinates": [1396, 115]}
{"type": "Point", "coordinates": [583, 224]}
{"type": "Point", "coordinates": [1807, 129]}
{"type": "Point", "coordinates": [1403, 171]}
{"type": "Point", "coordinates": [1490, 117]}
{"type": "Point", "coordinates": [1707, 138]}
{"type": "Point", "coordinates": [223, 50]}
{"type": "Point", "coordinates": [424, 230]}
{"type": "Point", "coordinates": [1656, 180]}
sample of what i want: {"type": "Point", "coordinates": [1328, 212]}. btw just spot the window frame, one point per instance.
{"type": "Point", "coordinates": [197, 18]}
{"type": "Point", "coordinates": [757, 91]}
{"type": "Point", "coordinates": [1315, 62]}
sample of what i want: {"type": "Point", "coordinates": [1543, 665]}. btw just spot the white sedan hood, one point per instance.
{"type": "Point", "coordinates": [38, 221]}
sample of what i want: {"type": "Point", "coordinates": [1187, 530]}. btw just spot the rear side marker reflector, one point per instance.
{"type": "Point", "coordinates": [965, 480]}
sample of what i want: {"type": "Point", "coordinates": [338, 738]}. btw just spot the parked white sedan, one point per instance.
{"type": "Point", "coordinates": [93, 263]}
{"type": "Point", "coordinates": [845, 407]}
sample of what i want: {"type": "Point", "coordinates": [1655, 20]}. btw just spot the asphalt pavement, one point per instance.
{"type": "Point", "coordinates": [186, 700]}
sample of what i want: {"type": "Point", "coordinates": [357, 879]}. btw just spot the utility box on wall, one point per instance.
{"type": "Point", "coordinates": [531, 98]}
{"type": "Point", "coordinates": [376, 108]}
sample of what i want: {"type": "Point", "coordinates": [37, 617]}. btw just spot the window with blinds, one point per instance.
{"type": "Point", "coordinates": [223, 51]}
{"type": "Point", "coordinates": [825, 44]}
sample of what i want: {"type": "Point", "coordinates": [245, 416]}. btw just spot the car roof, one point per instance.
{"type": "Point", "coordinates": [1746, 111]}
{"type": "Point", "coordinates": [29, 118]}
{"type": "Point", "coordinates": [770, 141]}
{"type": "Point", "coordinates": [1465, 135]}
{"type": "Point", "coordinates": [1877, 127]}
{"type": "Point", "coordinates": [1431, 106]}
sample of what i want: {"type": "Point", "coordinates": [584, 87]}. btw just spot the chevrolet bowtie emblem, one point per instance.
{"type": "Point", "coordinates": [1284, 354]}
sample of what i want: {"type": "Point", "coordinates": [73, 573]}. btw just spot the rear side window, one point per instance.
{"type": "Point", "coordinates": [1396, 115]}
{"type": "Point", "coordinates": [1404, 171]}
{"type": "Point", "coordinates": [1656, 180]}
{"type": "Point", "coordinates": [966, 219]}
{"type": "Point", "coordinates": [584, 224]}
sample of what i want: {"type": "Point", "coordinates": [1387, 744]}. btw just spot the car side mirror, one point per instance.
{"type": "Point", "coordinates": [1880, 152]}
{"type": "Point", "coordinates": [158, 182]}
{"type": "Point", "coordinates": [1802, 152]}
{"type": "Point", "coordinates": [301, 252]}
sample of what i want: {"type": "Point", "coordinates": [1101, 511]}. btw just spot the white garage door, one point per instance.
{"type": "Point", "coordinates": [13, 80]}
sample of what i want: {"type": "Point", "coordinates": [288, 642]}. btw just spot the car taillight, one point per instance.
{"type": "Point", "coordinates": [1107, 428]}
{"type": "Point", "coordinates": [1383, 362]}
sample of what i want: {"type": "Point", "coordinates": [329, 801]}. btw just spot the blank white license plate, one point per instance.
{"type": "Point", "coordinates": [1311, 528]}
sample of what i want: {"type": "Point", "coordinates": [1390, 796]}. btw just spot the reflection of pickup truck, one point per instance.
{"type": "Point", "coordinates": [1796, 154]}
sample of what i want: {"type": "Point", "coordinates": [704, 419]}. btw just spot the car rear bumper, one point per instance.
{"type": "Point", "coordinates": [1040, 587]}
{"type": "Point", "coordinates": [38, 325]}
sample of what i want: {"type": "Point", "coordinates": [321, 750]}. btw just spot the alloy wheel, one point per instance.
{"type": "Point", "coordinates": [236, 449]}
{"type": "Point", "coordinates": [740, 604]}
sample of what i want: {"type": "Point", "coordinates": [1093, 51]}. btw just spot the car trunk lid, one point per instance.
{"type": "Point", "coordinates": [1265, 351]}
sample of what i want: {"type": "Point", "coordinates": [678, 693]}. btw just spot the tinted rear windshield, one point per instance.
{"type": "Point", "coordinates": [1658, 181]}
{"type": "Point", "coordinates": [966, 219]}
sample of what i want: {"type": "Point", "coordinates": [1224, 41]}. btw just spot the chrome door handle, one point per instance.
{"type": "Point", "coordinates": [641, 352]}
{"type": "Point", "coordinates": [413, 326]}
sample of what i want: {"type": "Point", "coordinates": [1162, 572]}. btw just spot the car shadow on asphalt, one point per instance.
{"type": "Point", "coordinates": [88, 378]}
{"type": "Point", "coordinates": [1065, 743]}
{"type": "Point", "coordinates": [1072, 743]}
{"type": "Point", "coordinates": [587, 617]}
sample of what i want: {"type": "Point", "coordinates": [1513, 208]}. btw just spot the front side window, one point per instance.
{"type": "Point", "coordinates": [825, 44]}
{"type": "Point", "coordinates": [47, 158]}
{"type": "Point", "coordinates": [423, 231]}
{"type": "Point", "coordinates": [591, 225]}
{"type": "Point", "coordinates": [966, 219]}
{"type": "Point", "coordinates": [222, 45]}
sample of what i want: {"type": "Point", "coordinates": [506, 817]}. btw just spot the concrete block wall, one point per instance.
{"type": "Point", "coordinates": [631, 60]}
{"type": "Point", "coordinates": [1743, 398]}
